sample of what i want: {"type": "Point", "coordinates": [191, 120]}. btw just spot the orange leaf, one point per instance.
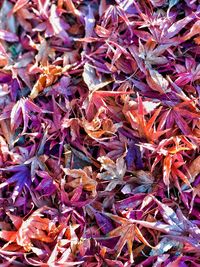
{"type": "Point", "coordinates": [71, 8]}
{"type": "Point", "coordinates": [197, 40]}
{"type": "Point", "coordinates": [35, 227]}
{"type": "Point", "coordinates": [181, 175]}
{"type": "Point", "coordinates": [82, 178]}
{"type": "Point", "coordinates": [195, 29]}
{"type": "Point", "coordinates": [152, 120]}
{"type": "Point", "coordinates": [167, 164]}
{"type": "Point", "coordinates": [16, 220]}
{"type": "Point", "coordinates": [127, 232]}
{"type": "Point", "coordinates": [19, 4]}
{"type": "Point", "coordinates": [48, 77]}
{"type": "Point", "coordinates": [194, 168]}
{"type": "Point", "coordinates": [9, 236]}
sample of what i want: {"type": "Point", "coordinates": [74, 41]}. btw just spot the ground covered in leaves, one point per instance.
{"type": "Point", "coordinates": [99, 133]}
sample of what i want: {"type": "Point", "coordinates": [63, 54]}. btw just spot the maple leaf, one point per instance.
{"type": "Point", "coordinates": [138, 121]}
{"type": "Point", "coordinates": [51, 22]}
{"type": "Point", "coordinates": [69, 244]}
{"type": "Point", "coordinates": [194, 168]}
{"type": "Point", "coordinates": [100, 125]}
{"type": "Point", "coordinates": [170, 151]}
{"type": "Point", "coordinates": [113, 14]}
{"type": "Point", "coordinates": [21, 179]}
{"type": "Point", "coordinates": [128, 232]}
{"type": "Point", "coordinates": [188, 73]}
{"type": "Point", "coordinates": [113, 84]}
{"type": "Point", "coordinates": [92, 80]}
{"type": "Point", "coordinates": [163, 29]}
{"type": "Point", "coordinates": [114, 171]}
{"type": "Point", "coordinates": [102, 99]}
{"type": "Point", "coordinates": [176, 226]}
{"type": "Point", "coordinates": [48, 77]}
{"type": "Point", "coordinates": [20, 112]}
{"type": "Point", "coordinates": [152, 54]}
{"type": "Point", "coordinates": [82, 178]}
{"type": "Point", "coordinates": [181, 115]}
{"type": "Point", "coordinates": [35, 227]}
{"type": "Point", "coordinates": [118, 146]}
{"type": "Point", "coordinates": [157, 82]}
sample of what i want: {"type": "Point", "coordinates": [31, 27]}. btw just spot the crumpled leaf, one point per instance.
{"type": "Point", "coordinates": [113, 170]}
{"type": "Point", "coordinates": [50, 75]}
{"type": "Point", "coordinates": [81, 177]}
{"type": "Point", "coordinates": [91, 79]}
{"type": "Point", "coordinates": [194, 168]}
{"type": "Point", "coordinates": [157, 82]}
{"type": "Point", "coordinates": [35, 227]}
{"type": "Point", "coordinates": [100, 127]}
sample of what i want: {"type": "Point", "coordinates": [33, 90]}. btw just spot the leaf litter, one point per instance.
{"type": "Point", "coordinates": [99, 133]}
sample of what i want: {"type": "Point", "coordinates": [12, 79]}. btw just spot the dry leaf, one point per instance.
{"type": "Point", "coordinates": [194, 168]}
{"type": "Point", "coordinates": [157, 82]}
{"type": "Point", "coordinates": [93, 81]}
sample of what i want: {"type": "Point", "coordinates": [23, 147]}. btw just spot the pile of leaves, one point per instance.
{"type": "Point", "coordinates": [99, 133]}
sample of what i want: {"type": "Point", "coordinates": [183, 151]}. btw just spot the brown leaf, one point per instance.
{"type": "Point", "coordinates": [195, 29]}
{"type": "Point", "coordinates": [81, 177]}
{"type": "Point", "coordinates": [194, 168]}
{"type": "Point", "coordinates": [100, 126]}
{"type": "Point", "coordinates": [47, 78]}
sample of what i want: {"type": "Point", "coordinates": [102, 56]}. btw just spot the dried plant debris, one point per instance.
{"type": "Point", "coordinates": [99, 133]}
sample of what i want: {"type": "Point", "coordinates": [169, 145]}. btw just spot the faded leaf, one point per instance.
{"type": "Point", "coordinates": [157, 82]}
{"type": "Point", "coordinates": [91, 79]}
{"type": "Point", "coordinates": [194, 168]}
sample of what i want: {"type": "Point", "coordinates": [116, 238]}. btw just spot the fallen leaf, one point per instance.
{"type": "Point", "coordinates": [91, 79]}
{"type": "Point", "coordinates": [157, 82]}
